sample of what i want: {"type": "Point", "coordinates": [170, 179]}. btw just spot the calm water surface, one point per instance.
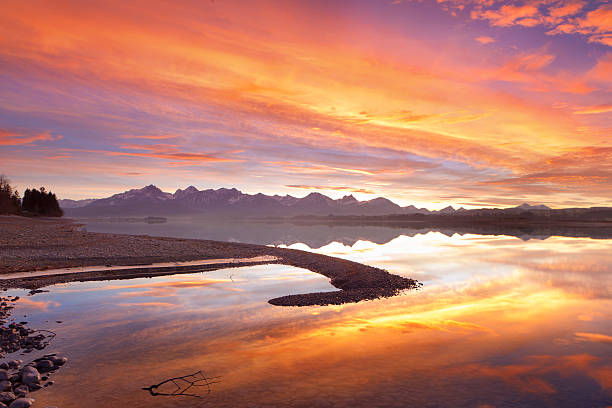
{"type": "Point", "coordinates": [500, 322]}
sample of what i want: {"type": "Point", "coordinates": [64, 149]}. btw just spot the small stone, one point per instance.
{"type": "Point", "coordinates": [35, 387]}
{"type": "Point", "coordinates": [59, 361]}
{"type": "Point", "coordinates": [4, 366]}
{"type": "Point", "coordinates": [22, 403]}
{"type": "Point", "coordinates": [4, 375]}
{"type": "Point", "coordinates": [14, 363]}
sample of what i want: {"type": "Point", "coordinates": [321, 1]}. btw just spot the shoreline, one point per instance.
{"type": "Point", "coordinates": [28, 244]}
{"type": "Point", "coordinates": [159, 265]}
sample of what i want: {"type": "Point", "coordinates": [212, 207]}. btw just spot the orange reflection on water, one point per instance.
{"type": "Point", "coordinates": [500, 322]}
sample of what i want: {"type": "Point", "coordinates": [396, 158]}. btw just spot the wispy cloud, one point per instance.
{"type": "Point", "coordinates": [589, 110]}
{"type": "Point", "coordinates": [336, 188]}
{"type": "Point", "coordinates": [483, 39]}
{"type": "Point", "coordinates": [595, 337]}
{"type": "Point", "coordinates": [8, 138]}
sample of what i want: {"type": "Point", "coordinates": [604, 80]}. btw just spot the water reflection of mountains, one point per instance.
{"type": "Point", "coordinates": [318, 233]}
{"type": "Point", "coordinates": [325, 233]}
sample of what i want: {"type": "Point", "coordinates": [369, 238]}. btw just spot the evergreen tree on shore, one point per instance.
{"type": "Point", "coordinates": [35, 202]}
{"type": "Point", "coordinates": [41, 202]}
{"type": "Point", "coordinates": [10, 203]}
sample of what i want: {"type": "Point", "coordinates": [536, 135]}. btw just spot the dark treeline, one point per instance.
{"type": "Point", "coordinates": [10, 202]}
{"type": "Point", "coordinates": [34, 202]}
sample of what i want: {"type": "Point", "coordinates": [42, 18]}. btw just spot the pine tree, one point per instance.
{"type": "Point", "coordinates": [10, 203]}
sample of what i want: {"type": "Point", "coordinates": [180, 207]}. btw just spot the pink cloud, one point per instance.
{"type": "Point", "coordinates": [506, 15]}
{"type": "Point", "coordinates": [588, 110]}
{"type": "Point", "coordinates": [8, 138]}
{"type": "Point", "coordinates": [568, 8]}
{"type": "Point", "coordinates": [485, 40]}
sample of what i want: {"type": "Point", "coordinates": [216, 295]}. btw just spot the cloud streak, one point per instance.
{"type": "Point", "coordinates": [335, 188]}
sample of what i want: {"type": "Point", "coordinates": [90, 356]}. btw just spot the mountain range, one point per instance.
{"type": "Point", "coordinates": [151, 201]}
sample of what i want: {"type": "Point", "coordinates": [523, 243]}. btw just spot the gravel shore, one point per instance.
{"type": "Point", "coordinates": [28, 244]}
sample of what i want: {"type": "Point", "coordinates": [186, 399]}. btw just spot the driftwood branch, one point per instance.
{"type": "Point", "coordinates": [184, 384]}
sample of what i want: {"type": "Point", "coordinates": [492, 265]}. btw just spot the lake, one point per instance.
{"type": "Point", "coordinates": [501, 321]}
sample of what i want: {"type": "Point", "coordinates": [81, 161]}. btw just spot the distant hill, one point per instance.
{"type": "Point", "coordinates": [151, 201]}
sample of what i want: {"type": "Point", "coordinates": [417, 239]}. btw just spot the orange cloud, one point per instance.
{"type": "Point", "coordinates": [568, 8]}
{"type": "Point", "coordinates": [485, 39]}
{"type": "Point", "coordinates": [8, 138]}
{"type": "Point", "coordinates": [163, 151]}
{"type": "Point", "coordinates": [505, 15]}
{"type": "Point", "coordinates": [530, 62]}
{"type": "Point", "coordinates": [587, 110]}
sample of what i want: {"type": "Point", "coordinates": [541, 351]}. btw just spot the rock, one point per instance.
{"type": "Point", "coordinates": [7, 397]}
{"type": "Point", "coordinates": [21, 391]}
{"type": "Point", "coordinates": [2, 405]}
{"type": "Point", "coordinates": [59, 361]}
{"type": "Point", "coordinates": [44, 365]}
{"type": "Point", "coordinates": [4, 366]}
{"type": "Point", "coordinates": [30, 375]}
{"type": "Point", "coordinates": [5, 385]}
{"type": "Point", "coordinates": [4, 375]}
{"type": "Point", "coordinates": [15, 363]}
{"type": "Point", "coordinates": [35, 387]}
{"type": "Point", "coordinates": [22, 403]}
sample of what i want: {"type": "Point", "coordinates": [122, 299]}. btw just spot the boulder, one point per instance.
{"type": "Point", "coordinates": [22, 403]}
{"type": "Point", "coordinates": [30, 375]}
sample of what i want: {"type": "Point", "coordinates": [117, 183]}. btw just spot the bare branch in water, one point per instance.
{"type": "Point", "coordinates": [184, 384]}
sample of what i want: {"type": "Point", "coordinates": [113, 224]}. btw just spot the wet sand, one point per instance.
{"type": "Point", "coordinates": [35, 244]}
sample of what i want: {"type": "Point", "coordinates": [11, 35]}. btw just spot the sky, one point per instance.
{"type": "Point", "coordinates": [474, 103]}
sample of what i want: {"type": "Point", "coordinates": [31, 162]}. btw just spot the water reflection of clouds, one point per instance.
{"type": "Point", "coordinates": [595, 337]}
{"type": "Point", "coordinates": [38, 305]}
{"type": "Point", "coordinates": [148, 304]}
{"type": "Point", "coordinates": [501, 322]}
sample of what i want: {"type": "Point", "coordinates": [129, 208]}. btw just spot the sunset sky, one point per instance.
{"type": "Point", "coordinates": [462, 102]}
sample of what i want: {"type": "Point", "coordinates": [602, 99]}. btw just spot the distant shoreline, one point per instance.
{"type": "Point", "coordinates": [30, 244]}
{"type": "Point", "coordinates": [484, 224]}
